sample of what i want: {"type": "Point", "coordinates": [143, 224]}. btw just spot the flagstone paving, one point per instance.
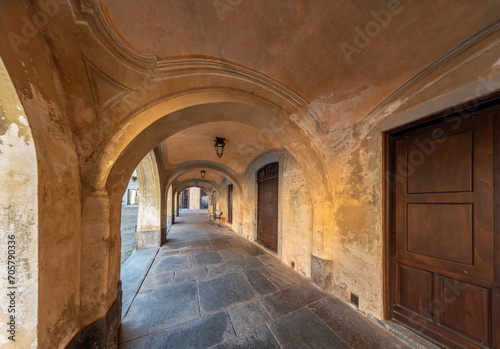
{"type": "Point", "coordinates": [209, 288]}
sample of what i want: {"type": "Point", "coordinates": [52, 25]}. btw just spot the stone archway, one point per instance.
{"type": "Point", "coordinates": [151, 229]}
{"type": "Point", "coordinates": [18, 220]}
{"type": "Point", "coordinates": [157, 127]}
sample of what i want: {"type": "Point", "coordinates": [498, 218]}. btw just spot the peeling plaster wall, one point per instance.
{"type": "Point", "coordinates": [18, 223]}
{"type": "Point", "coordinates": [297, 218]}
{"type": "Point", "coordinates": [357, 241]}
{"type": "Point", "coordinates": [355, 156]}
{"type": "Point", "coordinates": [31, 67]}
{"type": "Point", "coordinates": [236, 224]}
{"type": "Point", "coordinates": [294, 211]}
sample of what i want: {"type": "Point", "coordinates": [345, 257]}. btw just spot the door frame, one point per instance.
{"type": "Point", "coordinates": [279, 158]}
{"type": "Point", "coordinates": [388, 151]}
{"type": "Point", "coordinates": [230, 205]}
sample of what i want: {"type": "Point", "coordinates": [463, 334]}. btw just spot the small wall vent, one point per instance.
{"type": "Point", "coordinates": [354, 299]}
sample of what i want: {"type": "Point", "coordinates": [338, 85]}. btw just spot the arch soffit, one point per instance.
{"type": "Point", "coordinates": [224, 170]}
{"type": "Point", "coordinates": [204, 184]}
{"type": "Point", "coordinates": [260, 115]}
{"type": "Point", "coordinates": [263, 159]}
{"type": "Point", "coordinates": [237, 84]}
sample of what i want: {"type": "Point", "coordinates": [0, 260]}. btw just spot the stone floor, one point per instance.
{"type": "Point", "coordinates": [209, 288]}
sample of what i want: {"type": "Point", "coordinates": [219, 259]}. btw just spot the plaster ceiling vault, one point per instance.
{"type": "Point", "coordinates": [323, 65]}
{"type": "Point", "coordinates": [311, 47]}
{"type": "Point", "coordinates": [243, 144]}
{"type": "Point", "coordinates": [211, 175]}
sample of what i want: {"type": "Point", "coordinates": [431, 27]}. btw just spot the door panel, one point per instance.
{"type": "Point", "coordinates": [441, 165]}
{"type": "Point", "coordinates": [214, 202]}
{"type": "Point", "coordinates": [443, 230]}
{"type": "Point", "coordinates": [230, 203]}
{"type": "Point", "coordinates": [416, 299]}
{"type": "Point", "coordinates": [465, 309]}
{"type": "Point", "coordinates": [267, 213]}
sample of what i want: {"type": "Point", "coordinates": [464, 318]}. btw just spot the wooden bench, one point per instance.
{"type": "Point", "coordinates": [216, 215]}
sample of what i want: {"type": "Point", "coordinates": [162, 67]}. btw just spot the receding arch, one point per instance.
{"type": "Point", "coordinates": [189, 166]}
{"type": "Point", "coordinates": [149, 219]}
{"type": "Point", "coordinates": [206, 185]}
{"type": "Point", "coordinates": [149, 127]}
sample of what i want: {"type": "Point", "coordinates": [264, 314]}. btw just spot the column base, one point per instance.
{"type": "Point", "coordinates": [322, 273]}
{"type": "Point", "coordinates": [104, 332]}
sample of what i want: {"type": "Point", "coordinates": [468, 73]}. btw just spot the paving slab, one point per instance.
{"type": "Point", "coordinates": [224, 291]}
{"type": "Point", "coordinates": [290, 299]}
{"type": "Point", "coordinates": [191, 274]}
{"type": "Point", "coordinates": [268, 259]}
{"type": "Point", "coordinates": [210, 288]}
{"type": "Point", "coordinates": [341, 318]}
{"type": "Point", "coordinates": [259, 282]}
{"type": "Point", "coordinates": [249, 263]}
{"type": "Point", "coordinates": [200, 243]}
{"type": "Point", "coordinates": [151, 312]}
{"type": "Point", "coordinates": [195, 250]}
{"type": "Point", "coordinates": [171, 263]}
{"type": "Point", "coordinates": [219, 241]}
{"type": "Point", "coordinates": [176, 245]}
{"type": "Point", "coordinates": [165, 253]}
{"type": "Point", "coordinates": [248, 316]}
{"type": "Point", "coordinates": [260, 338]}
{"type": "Point", "coordinates": [234, 254]}
{"type": "Point", "coordinates": [282, 276]}
{"type": "Point", "coordinates": [223, 268]}
{"type": "Point", "coordinates": [218, 247]}
{"type": "Point", "coordinates": [302, 329]}
{"type": "Point", "coordinates": [153, 281]}
{"type": "Point", "coordinates": [198, 334]}
{"type": "Point", "coordinates": [253, 250]}
{"type": "Point", "coordinates": [133, 272]}
{"type": "Point", "coordinates": [207, 258]}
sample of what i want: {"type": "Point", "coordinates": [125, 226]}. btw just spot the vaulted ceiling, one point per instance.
{"type": "Point", "coordinates": [243, 144]}
{"type": "Point", "coordinates": [344, 57]}
{"type": "Point", "coordinates": [326, 65]}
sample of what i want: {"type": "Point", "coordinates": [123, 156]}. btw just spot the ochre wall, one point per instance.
{"type": "Point", "coordinates": [86, 149]}
{"type": "Point", "coordinates": [59, 198]}
{"type": "Point", "coordinates": [18, 222]}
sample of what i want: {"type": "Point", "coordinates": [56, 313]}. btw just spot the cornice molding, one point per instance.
{"type": "Point", "coordinates": [464, 45]}
{"type": "Point", "coordinates": [92, 14]}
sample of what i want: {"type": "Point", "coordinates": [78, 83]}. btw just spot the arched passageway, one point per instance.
{"type": "Point", "coordinates": [104, 84]}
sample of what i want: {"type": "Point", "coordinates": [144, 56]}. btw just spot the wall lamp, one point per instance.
{"type": "Point", "coordinates": [202, 174]}
{"type": "Point", "coordinates": [195, 184]}
{"type": "Point", "coordinates": [219, 146]}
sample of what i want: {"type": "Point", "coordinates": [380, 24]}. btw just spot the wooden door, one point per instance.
{"type": "Point", "coordinates": [214, 202]}
{"type": "Point", "coordinates": [267, 206]}
{"type": "Point", "coordinates": [230, 203]}
{"type": "Point", "coordinates": [444, 243]}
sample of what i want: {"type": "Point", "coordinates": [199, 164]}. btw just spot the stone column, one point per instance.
{"type": "Point", "coordinates": [149, 233]}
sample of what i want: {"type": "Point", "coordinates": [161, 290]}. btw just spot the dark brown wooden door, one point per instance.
{"type": "Point", "coordinates": [214, 202]}
{"type": "Point", "coordinates": [267, 207]}
{"type": "Point", "coordinates": [230, 203]}
{"type": "Point", "coordinates": [443, 250]}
